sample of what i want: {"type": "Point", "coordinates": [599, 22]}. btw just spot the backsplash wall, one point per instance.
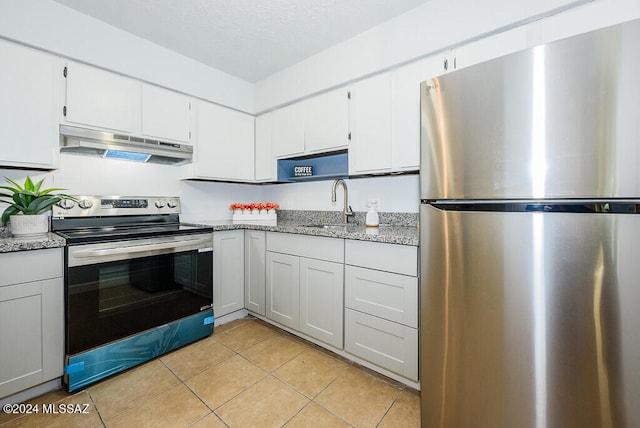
{"type": "Point", "coordinates": [395, 193]}
{"type": "Point", "coordinates": [202, 200]}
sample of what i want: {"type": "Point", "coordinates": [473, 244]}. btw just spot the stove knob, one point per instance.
{"type": "Point", "coordinates": [85, 204]}
{"type": "Point", "coordinates": [159, 203]}
{"type": "Point", "coordinates": [171, 203]}
{"type": "Point", "coordinates": [66, 204]}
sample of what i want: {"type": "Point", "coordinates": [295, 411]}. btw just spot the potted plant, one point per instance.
{"type": "Point", "coordinates": [27, 204]}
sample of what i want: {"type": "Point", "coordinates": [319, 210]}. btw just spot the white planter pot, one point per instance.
{"type": "Point", "coordinates": [28, 226]}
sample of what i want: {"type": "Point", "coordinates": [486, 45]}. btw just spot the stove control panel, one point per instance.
{"type": "Point", "coordinates": [125, 203]}
{"type": "Point", "coordinates": [88, 206]}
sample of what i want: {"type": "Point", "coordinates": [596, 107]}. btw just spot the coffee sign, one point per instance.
{"type": "Point", "coordinates": [302, 171]}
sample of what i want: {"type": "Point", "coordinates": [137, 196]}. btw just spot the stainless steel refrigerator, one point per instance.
{"type": "Point", "coordinates": [530, 238]}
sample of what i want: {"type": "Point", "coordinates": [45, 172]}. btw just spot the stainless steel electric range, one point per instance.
{"type": "Point", "coordinates": [138, 283]}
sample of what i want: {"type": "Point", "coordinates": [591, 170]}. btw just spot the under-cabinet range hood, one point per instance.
{"type": "Point", "coordinates": [120, 146]}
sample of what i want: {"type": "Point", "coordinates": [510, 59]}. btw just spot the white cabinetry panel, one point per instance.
{"type": "Point", "coordinates": [402, 259]}
{"type": "Point", "coordinates": [383, 294]}
{"type": "Point", "coordinates": [225, 143]}
{"type": "Point", "coordinates": [29, 107]}
{"type": "Point", "coordinates": [327, 122]}
{"type": "Point", "coordinates": [228, 272]}
{"type": "Point", "coordinates": [32, 303]}
{"type": "Point", "coordinates": [287, 134]}
{"type": "Point", "coordinates": [315, 247]}
{"type": "Point", "coordinates": [370, 117]}
{"type": "Point", "coordinates": [405, 151]}
{"type": "Point", "coordinates": [255, 270]}
{"type": "Point", "coordinates": [102, 99]}
{"type": "Point", "coordinates": [265, 169]}
{"type": "Point", "coordinates": [321, 300]}
{"type": "Point", "coordinates": [283, 289]}
{"type": "Point", "coordinates": [385, 343]}
{"type": "Point", "coordinates": [165, 114]}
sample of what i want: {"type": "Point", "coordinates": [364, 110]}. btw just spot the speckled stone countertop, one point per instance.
{"type": "Point", "coordinates": [396, 228]}
{"type": "Point", "coordinates": [9, 244]}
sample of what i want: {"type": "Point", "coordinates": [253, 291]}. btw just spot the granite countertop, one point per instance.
{"type": "Point", "coordinates": [404, 235]}
{"type": "Point", "coordinates": [395, 228]}
{"type": "Point", "coordinates": [9, 244]}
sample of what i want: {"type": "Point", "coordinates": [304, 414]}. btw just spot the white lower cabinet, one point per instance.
{"type": "Point", "coordinates": [283, 289]}
{"type": "Point", "coordinates": [321, 300]}
{"type": "Point", "coordinates": [381, 305]}
{"type": "Point", "coordinates": [32, 312]}
{"type": "Point", "coordinates": [228, 272]}
{"type": "Point", "coordinates": [305, 285]}
{"type": "Point", "coordinates": [255, 247]}
{"type": "Point", "coordinates": [384, 343]}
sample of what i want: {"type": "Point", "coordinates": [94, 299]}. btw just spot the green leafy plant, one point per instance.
{"type": "Point", "coordinates": [29, 199]}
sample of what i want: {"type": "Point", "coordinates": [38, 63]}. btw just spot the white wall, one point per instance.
{"type": "Point", "coordinates": [95, 176]}
{"type": "Point", "coordinates": [52, 27]}
{"type": "Point", "coordinates": [434, 28]}
{"type": "Point", "coordinates": [396, 194]}
{"type": "Point", "coordinates": [425, 30]}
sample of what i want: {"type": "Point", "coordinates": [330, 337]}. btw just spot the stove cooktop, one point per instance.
{"type": "Point", "coordinates": [118, 233]}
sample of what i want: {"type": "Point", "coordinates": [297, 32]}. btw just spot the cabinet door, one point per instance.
{"type": "Point", "coordinates": [32, 305]}
{"type": "Point", "coordinates": [387, 344]}
{"type": "Point", "coordinates": [370, 120]}
{"type": "Point", "coordinates": [102, 99]}
{"type": "Point", "coordinates": [165, 114]}
{"type": "Point", "coordinates": [28, 107]}
{"type": "Point", "coordinates": [255, 270]}
{"type": "Point", "coordinates": [283, 289]}
{"type": "Point", "coordinates": [327, 122]}
{"type": "Point", "coordinates": [225, 143]}
{"type": "Point", "coordinates": [321, 300]}
{"type": "Point", "coordinates": [265, 169]}
{"type": "Point", "coordinates": [405, 151]}
{"type": "Point", "coordinates": [228, 272]}
{"type": "Point", "coordinates": [287, 134]}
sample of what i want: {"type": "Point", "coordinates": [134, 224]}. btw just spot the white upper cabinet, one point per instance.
{"type": "Point", "coordinates": [405, 148]}
{"type": "Point", "coordinates": [102, 99]}
{"type": "Point", "coordinates": [370, 111]}
{"type": "Point", "coordinates": [165, 114]}
{"type": "Point", "coordinates": [225, 143]}
{"type": "Point", "coordinates": [327, 122]}
{"type": "Point", "coordinates": [29, 107]}
{"type": "Point", "coordinates": [265, 168]}
{"type": "Point", "coordinates": [287, 133]}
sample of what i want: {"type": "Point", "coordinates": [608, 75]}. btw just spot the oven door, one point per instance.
{"type": "Point", "coordinates": [117, 289]}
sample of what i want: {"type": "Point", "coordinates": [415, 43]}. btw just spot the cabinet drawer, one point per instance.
{"type": "Point", "coordinates": [387, 344]}
{"type": "Point", "coordinates": [386, 295]}
{"type": "Point", "coordinates": [26, 266]}
{"type": "Point", "coordinates": [313, 247]}
{"type": "Point", "coordinates": [396, 258]}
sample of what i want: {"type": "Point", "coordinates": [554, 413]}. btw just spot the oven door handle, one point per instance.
{"type": "Point", "coordinates": [146, 248]}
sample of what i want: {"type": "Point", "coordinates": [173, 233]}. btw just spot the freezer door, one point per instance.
{"type": "Point", "coordinates": [555, 121]}
{"type": "Point", "coordinates": [529, 319]}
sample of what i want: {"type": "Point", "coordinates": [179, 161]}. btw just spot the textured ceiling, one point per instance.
{"type": "Point", "coordinates": [250, 39]}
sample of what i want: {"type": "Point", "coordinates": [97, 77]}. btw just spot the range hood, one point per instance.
{"type": "Point", "coordinates": [120, 146]}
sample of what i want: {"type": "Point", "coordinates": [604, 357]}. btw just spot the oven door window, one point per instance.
{"type": "Point", "coordinates": [112, 300]}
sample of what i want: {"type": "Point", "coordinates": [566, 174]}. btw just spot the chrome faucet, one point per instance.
{"type": "Point", "coordinates": [347, 211]}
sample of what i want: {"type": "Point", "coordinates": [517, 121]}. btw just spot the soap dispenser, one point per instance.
{"type": "Point", "coordinates": [372, 219]}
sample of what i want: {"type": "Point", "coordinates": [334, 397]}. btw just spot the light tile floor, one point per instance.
{"type": "Point", "coordinates": [247, 374]}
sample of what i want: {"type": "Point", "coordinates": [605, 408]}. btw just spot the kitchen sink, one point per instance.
{"type": "Point", "coordinates": [326, 226]}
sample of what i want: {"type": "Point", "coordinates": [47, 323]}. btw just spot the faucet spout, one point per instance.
{"type": "Point", "coordinates": [346, 211]}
